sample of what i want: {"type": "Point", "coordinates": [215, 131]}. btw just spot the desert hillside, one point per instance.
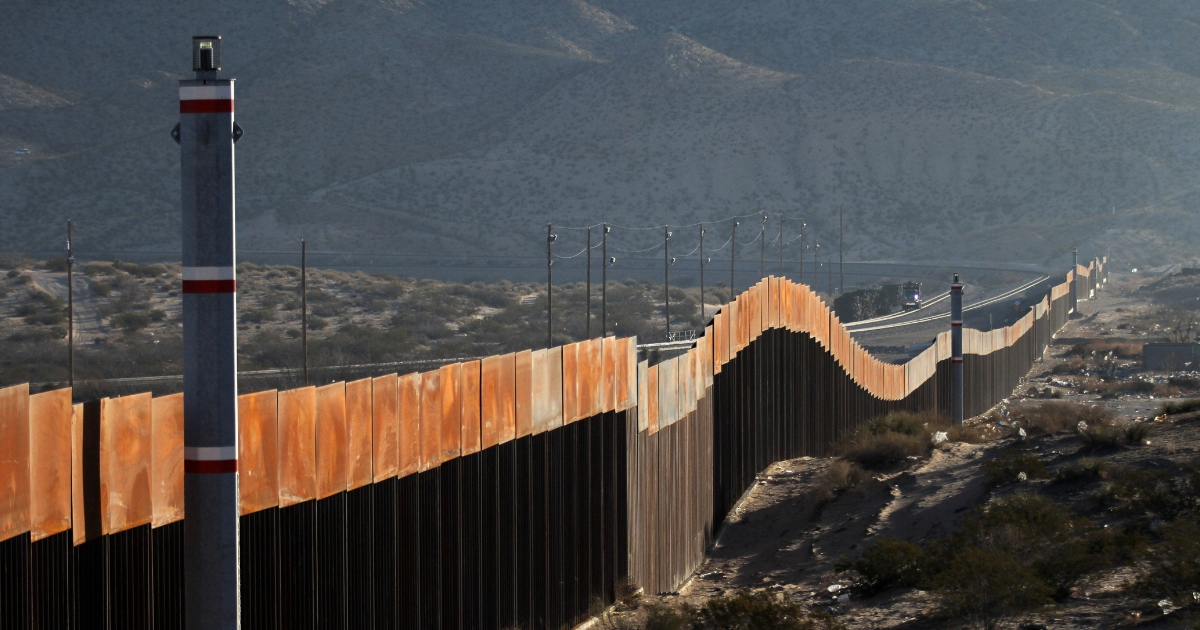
{"type": "Point", "coordinates": [978, 130]}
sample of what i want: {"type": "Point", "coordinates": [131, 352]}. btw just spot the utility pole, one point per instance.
{"type": "Point", "coordinates": [667, 279]}
{"type": "Point", "coordinates": [830, 270]}
{"type": "Point", "coordinates": [841, 252]}
{"type": "Point", "coordinates": [304, 304]}
{"type": "Point", "coordinates": [801, 254]}
{"type": "Point", "coordinates": [589, 284]}
{"type": "Point", "coordinates": [762, 253]}
{"type": "Point", "coordinates": [701, 273]}
{"type": "Point", "coordinates": [781, 246]}
{"type": "Point", "coordinates": [604, 282]}
{"type": "Point", "coordinates": [70, 310]}
{"type": "Point", "coordinates": [956, 352]}
{"type": "Point", "coordinates": [206, 135]}
{"type": "Point", "coordinates": [732, 257]}
{"type": "Point", "coordinates": [549, 287]}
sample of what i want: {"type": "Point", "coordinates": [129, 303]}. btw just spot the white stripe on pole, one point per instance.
{"type": "Point", "coordinates": [206, 92]}
{"type": "Point", "coordinates": [210, 453]}
{"type": "Point", "coordinates": [208, 273]}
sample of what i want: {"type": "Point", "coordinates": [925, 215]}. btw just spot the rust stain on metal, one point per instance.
{"type": "Point", "coordinates": [125, 456]}
{"type": "Point", "coordinates": [652, 398]}
{"type": "Point", "coordinates": [81, 529]}
{"type": "Point", "coordinates": [331, 439]}
{"type": "Point", "coordinates": [14, 461]}
{"type": "Point", "coordinates": [643, 385]}
{"type": "Point", "coordinates": [523, 383]}
{"type": "Point", "coordinates": [590, 395]}
{"type": "Point", "coordinates": [297, 446]}
{"type": "Point", "coordinates": [609, 395]}
{"type": "Point", "coordinates": [258, 451]}
{"type": "Point", "coordinates": [359, 447]}
{"type": "Point", "coordinates": [50, 463]}
{"type": "Point", "coordinates": [571, 377]}
{"type": "Point", "coordinates": [547, 390]}
{"type": "Point", "coordinates": [385, 427]}
{"type": "Point", "coordinates": [471, 406]}
{"type": "Point", "coordinates": [629, 373]}
{"type": "Point", "coordinates": [451, 411]}
{"type": "Point", "coordinates": [408, 393]}
{"type": "Point", "coordinates": [498, 414]}
{"type": "Point", "coordinates": [431, 420]}
{"type": "Point", "coordinates": [166, 468]}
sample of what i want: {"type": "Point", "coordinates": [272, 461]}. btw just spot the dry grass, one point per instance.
{"type": "Point", "coordinates": [1060, 417]}
{"type": "Point", "coordinates": [839, 476]}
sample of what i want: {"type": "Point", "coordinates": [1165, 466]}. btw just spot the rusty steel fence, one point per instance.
{"type": "Point", "coordinates": [516, 491]}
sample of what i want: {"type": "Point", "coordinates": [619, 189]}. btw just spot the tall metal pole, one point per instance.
{"type": "Point", "coordinates": [304, 305]}
{"type": "Point", "coordinates": [667, 279]}
{"type": "Point", "coordinates": [702, 273]}
{"type": "Point", "coordinates": [956, 351]}
{"type": "Point", "coordinates": [732, 257]}
{"type": "Point", "coordinates": [841, 253]}
{"type": "Point", "coordinates": [589, 284]}
{"type": "Point", "coordinates": [1074, 281]}
{"type": "Point", "coordinates": [830, 270]}
{"type": "Point", "coordinates": [549, 288]}
{"type": "Point", "coordinates": [762, 250]}
{"type": "Point", "coordinates": [70, 310]}
{"type": "Point", "coordinates": [781, 246]}
{"type": "Point", "coordinates": [802, 254]}
{"type": "Point", "coordinates": [604, 282]}
{"type": "Point", "coordinates": [206, 135]}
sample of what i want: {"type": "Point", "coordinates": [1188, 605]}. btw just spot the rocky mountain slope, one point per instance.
{"type": "Point", "coordinates": [945, 129]}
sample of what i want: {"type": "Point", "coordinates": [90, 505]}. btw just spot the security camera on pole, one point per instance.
{"type": "Point", "coordinates": [206, 134]}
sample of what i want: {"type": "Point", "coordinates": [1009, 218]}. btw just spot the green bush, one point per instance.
{"type": "Point", "coordinates": [316, 323]}
{"type": "Point", "coordinates": [1173, 571]}
{"type": "Point", "coordinates": [887, 562]}
{"type": "Point", "coordinates": [1009, 464]}
{"type": "Point", "coordinates": [1136, 433]}
{"type": "Point", "coordinates": [1058, 417]}
{"type": "Point", "coordinates": [101, 288]}
{"type": "Point", "coordinates": [987, 587]}
{"type": "Point", "coordinates": [890, 439]}
{"type": "Point", "coordinates": [1086, 469]}
{"type": "Point", "coordinates": [1168, 493]}
{"type": "Point", "coordinates": [1099, 438]}
{"type": "Point", "coordinates": [838, 477]}
{"type": "Point", "coordinates": [745, 610]}
{"type": "Point", "coordinates": [132, 321]}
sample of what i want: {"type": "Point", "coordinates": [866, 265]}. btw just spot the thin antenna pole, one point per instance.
{"type": "Point", "coordinates": [589, 284]}
{"type": "Point", "coordinates": [732, 257]}
{"type": "Point", "coordinates": [781, 246]}
{"type": "Point", "coordinates": [801, 254]}
{"type": "Point", "coordinates": [830, 276]}
{"type": "Point", "coordinates": [549, 288]}
{"type": "Point", "coordinates": [701, 273]}
{"type": "Point", "coordinates": [841, 252]}
{"type": "Point", "coordinates": [762, 251]}
{"type": "Point", "coordinates": [604, 282]}
{"type": "Point", "coordinates": [70, 310]}
{"type": "Point", "coordinates": [304, 304]}
{"type": "Point", "coordinates": [667, 278]}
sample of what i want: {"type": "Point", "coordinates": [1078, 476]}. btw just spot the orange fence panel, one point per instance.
{"type": "Point", "coordinates": [385, 427]}
{"type": "Point", "coordinates": [589, 389]}
{"type": "Point", "coordinates": [653, 395]}
{"type": "Point", "coordinates": [571, 381]}
{"type": "Point", "coordinates": [524, 393]}
{"type": "Point", "coordinates": [85, 473]}
{"type": "Point", "coordinates": [125, 455]}
{"type": "Point", "coordinates": [431, 420]}
{"type": "Point", "coordinates": [359, 447]}
{"type": "Point", "coordinates": [451, 411]}
{"type": "Point", "coordinates": [166, 466]}
{"type": "Point", "coordinates": [331, 439]}
{"type": "Point", "coordinates": [297, 446]}
{"type": "Point", "coordinates": [468, 394]}
{"type": "Point", "coordinates": [258, 452]}
{"type": "Point", "coordinates": [14, 461]}
{"type": "Point", "coordinates": [408, 399]}
{"type": "Point", "coordinates": [643, 406]}
{"type": "Point", "coordinates": [50, 463]}
{"type": "Point", "coordinates": [547, 390]}
{"type": "Point", "coordinates": [628, 381]}
{"type": "Point", "coordinates": [498, 409]}
{"type": "Point", "coordinates": [609, 371]}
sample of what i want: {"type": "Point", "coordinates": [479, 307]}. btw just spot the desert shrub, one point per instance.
{"type": "Point", "coordinates": [887, 562]}
{"type": "Point", "coordinates": [1009, 464]}
{"type": "Point", "coordinates": [257, 315]}
{"type": "Point", "coordinates": [985, 588]}
{"type": "Point", "coordinates": [316, 323]}
{"type": "Point", "coordinates": [1086, 469]}
{"type": "Point", "coordinates": [101, 288]}
{"type": "Point", "coordinates": [665, 617]}
{"type": "Point", "coordinates": [1136, 433]}
{"type": "Point", "coordinates": [1168, 493]}
{"type": "Point", "coordinates": [132, 321]}
{"type": "Point", "coordinates": [890, 439]}
{"type": "Point", "coordinates": [1119, 349]}
{"type": "Point", "coordinates": [838, 477]}
{"type": "Point", "coordinates": [1173, 570]}
{"type": "Point", "coordinates": [1186, 383]}
{"type": "Point", "coordinates": [1101, 437]}
{"type": "Point", "coordinates": [745, 610]}
{"type": "Point", "coordinates": [1181, 406]}
{"type": "Point", "coordinates": [1058, 417]}
{"type": "Point", "coordinates": [92, 270]}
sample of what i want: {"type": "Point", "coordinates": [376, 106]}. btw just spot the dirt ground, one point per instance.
{"type": "Point", "coordinates": [782, 538]}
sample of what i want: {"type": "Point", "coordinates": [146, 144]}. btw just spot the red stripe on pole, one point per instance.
{"type": "Point", "coordinates": [956, 360]}
{"type": "Point", "coordinates": [209, 466]}
{"type": "Point", "coordinates": [206, 106]}
{"type": "Point", "coordinates": [210, 286]}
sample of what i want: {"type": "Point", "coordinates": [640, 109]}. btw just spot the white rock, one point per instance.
{"type": "Point", "coordinates": [1022, 476]}
{"type": "Point", "coordinates": [833, 588]}
{"type": "Point", "coordinates": [940, 436]}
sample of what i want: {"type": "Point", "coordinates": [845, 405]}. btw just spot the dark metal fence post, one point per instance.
{"type": "Point", "coordinates": [732, 257]}
{"type": "Point", "coordinates": [549, 287]}
{"type": "Point", "coordinates": [702, 273]}
{"type": "Point", "coordinates": [70, 310]}
{"type": "Point", "coordinates": [304, 304]}
{"type": "Point", "coordinates": [604, 282]}
{"type": "Point", "coordinates": [781, 246]}
{"type": "Point", "coordinates": [667, 279]}
{"type": "Point", "coordinates": [588, 328]}
{"type": "Point", "coordinates": [1074, 281]}
{"type": "Point", "coordinates": [841, 252]}
{"type": "Point", "coordinates": [956, 351]}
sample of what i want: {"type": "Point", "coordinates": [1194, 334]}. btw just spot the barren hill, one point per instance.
{"type": "Point", "coordinates": [980, 130]}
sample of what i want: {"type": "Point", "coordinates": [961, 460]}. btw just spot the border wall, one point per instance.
{"type": "Point", "coordinates": [514, 491]}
